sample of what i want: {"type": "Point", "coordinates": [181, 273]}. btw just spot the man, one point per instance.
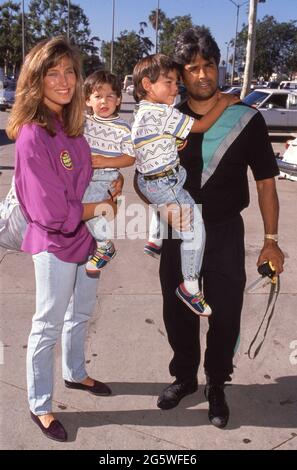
{"type": "Point", "coordinates": [240, 140]}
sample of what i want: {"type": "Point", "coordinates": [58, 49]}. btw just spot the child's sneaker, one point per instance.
{"type": "Point", "coordinates": [152, 249]}
{"type": "Point", "coordinates": [100, 258]}
{"type": "Point", "coordinates": [195, 302]}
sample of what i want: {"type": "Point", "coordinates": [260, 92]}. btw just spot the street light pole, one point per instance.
{"type": "Point", "coordinates": [68, 20]}
{"type": "Point", "coordinates": [157, 25]}
{"type": "Point", "coordinates": [23, 31]}
{"type": "Point", "coordinates": [112, 36]}
{"type": "Point", "coordinates": [238, 6]}
{"type": "Point", "coordinates": [227, 56]}
{"type": "Point", "coordinates": [250, 48]}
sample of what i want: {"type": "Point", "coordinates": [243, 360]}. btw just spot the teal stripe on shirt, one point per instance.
{"type": "Point", "coordinates": [221, 135]}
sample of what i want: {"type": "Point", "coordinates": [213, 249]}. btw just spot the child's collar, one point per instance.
{"type": "Point", "coordinates": [110, 118]}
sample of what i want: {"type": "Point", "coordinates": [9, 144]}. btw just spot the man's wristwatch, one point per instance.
{"type": "Point", "coordinates": [271, 236]}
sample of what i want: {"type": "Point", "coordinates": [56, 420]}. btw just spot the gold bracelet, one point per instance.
{"type": "Point", "coordinates": [271, 236]}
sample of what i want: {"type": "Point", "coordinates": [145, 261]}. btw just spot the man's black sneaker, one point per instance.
{"type": "Point", "coordinates": [218, 413]}
{"type": "Point", "coordinates": [172, 395]}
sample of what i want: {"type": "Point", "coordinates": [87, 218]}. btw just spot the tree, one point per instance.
{"type": "Point", "coordinates": [153, 18]}
{"type": "Point", "coordinates": [10, 36]}
{"type": "Point", "coordinates": [276, 47]}
{"type": "Point", "coordinates": [48, 18]}
{"type": "Point", "coordinates": [129, 48]}
{"type": "Point", "coordinates": [171, 28]}
{"type": "Point", "coordinates": [157, 18]}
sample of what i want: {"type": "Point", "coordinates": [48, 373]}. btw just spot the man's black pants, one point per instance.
{"type": "Point", "coordinates": [223, 274]}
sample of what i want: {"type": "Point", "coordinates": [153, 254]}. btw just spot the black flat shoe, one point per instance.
{"type": "Point", "coordinates": [99, 388]}
{"type": "Point", "coordinates": [172, 395]}
{"type": "Point", "coordinates": [55, 431]}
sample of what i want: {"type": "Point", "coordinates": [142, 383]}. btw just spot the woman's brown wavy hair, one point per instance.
{"type": "Point", "coordinates": [29, 106]}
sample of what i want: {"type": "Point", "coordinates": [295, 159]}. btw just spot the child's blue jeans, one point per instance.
{"type": "Point", "coordinates": [98, 191]}
{"type": "Point", "coordinates": [167, 190]}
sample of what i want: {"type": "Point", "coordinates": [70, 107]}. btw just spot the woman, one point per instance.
{"type": "Point", "coordinates": [52, 172]}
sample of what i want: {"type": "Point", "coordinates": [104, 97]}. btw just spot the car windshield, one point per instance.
{"type": "Point", "coordinates": [255, 98]}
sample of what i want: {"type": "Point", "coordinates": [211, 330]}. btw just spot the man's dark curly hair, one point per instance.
{"type": "Point", "coordinates": [194, 41]}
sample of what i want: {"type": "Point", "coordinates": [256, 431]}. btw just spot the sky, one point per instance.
{"type": "Point", "coordinates": [218, 15]}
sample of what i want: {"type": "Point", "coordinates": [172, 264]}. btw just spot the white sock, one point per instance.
{"type": "Point", "coordinates": [191, 286]}
{"type": "Point", "coordinates": [104, 244]}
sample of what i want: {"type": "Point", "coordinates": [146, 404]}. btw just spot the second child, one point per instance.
{"type": "Point", "coordinates": [110, 140]}
{"type": "Point", "coordinates": [156, 129]}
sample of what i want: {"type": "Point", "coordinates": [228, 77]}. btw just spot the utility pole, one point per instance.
{"type": "Point", "coordinates": [238, 6]}
{"type": "Point", "coordinates": [23, 31]}
{"type": "Point", "coordinates": [227, 58]}
{"type": "Point", "coordinates": [157, 25]}
{"type": "Point", "coordinates": [68, 20]}
{"type": "Point", "coordinates": [112, 37]}
{"type": "Point", "coordinates": [250, 48]}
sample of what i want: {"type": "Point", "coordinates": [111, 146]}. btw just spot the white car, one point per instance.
{"type": "Point", "coordinates": [278, 107]}
{"type": "Point", "coordinates": [7, 96]}
{"type": "Point", "coordinates": [288, 164]}
{"type": "Point", "coordinates": [234, 90]}
{"type": "Point", "coordinates": [128, 80]}
{"type": "Point", "coordinates": [289, 85]}
{"type": "Point", "coordinates": [130, 89]}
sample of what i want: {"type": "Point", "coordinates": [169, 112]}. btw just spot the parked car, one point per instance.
{"type": "Point", "coordinates": [288, 164]}
{"type": "Point", "coordinates": [278, 107]}
{"type": "Point", "coordinates": [130, 89]}
{"type": "Point", "coordinates": [289, 85]}
{"type": "Point", "coordinates": [128, 80]}
{"type": "Point", "coordinates": [7, 96]}
{"type": "Point", "coordinates": [182, 94]}
{"type": "Point", "coordinates": [272, 84]}
{"type": "Point", "coordinates": [235, 90]}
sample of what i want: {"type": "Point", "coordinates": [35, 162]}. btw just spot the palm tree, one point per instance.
{"type": "Point", "coordinates": [157, 18]}
{"type": "Point", "coordinates": [153, 18]}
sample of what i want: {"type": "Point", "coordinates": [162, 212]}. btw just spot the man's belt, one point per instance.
{"type": "Point", "coordinates": [162, 174]}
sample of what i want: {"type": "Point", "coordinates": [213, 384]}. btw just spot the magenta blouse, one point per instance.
{"type": "Point", "coordinates": [51, 176]}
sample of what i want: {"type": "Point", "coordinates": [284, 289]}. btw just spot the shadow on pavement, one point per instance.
{"type": "Point", "coordinates": [257, 405]}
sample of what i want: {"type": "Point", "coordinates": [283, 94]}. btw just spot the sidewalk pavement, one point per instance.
{"type": "Point", "coordinates": [128, 349]}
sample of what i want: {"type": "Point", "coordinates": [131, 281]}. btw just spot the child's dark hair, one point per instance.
{"type": "Point", "coordinates": [151, 67]}
{"type": "Point", "coordinates": [98, 78]}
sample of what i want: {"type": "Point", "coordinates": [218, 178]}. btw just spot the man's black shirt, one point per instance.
{"type": "Point", "coordinates": [226, 193]}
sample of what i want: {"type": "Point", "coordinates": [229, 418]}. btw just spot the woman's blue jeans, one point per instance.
{"type": "Point", "coordinates": [65, 300]}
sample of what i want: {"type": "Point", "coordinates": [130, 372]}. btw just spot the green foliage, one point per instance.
{"type": "Point", "coordinates": [10, 36]}
{"type": "Point", "coordinates": [128, 49]}
{"type": "Point", "coordinates": [276, 47]}
{"type": "Point", "coordinates": [45, 18]}
{"type": "Point", "coordinates": [49, 18]}
{"type": "Point", "coordinates": [153, 18]}
{"type": "Point", "coordinates": [170, 29]}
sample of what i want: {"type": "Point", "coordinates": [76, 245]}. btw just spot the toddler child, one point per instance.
{"type": "Point", "coordinates": [110, 140]}
{"type": "Point", "coordinates": [160, 177]}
